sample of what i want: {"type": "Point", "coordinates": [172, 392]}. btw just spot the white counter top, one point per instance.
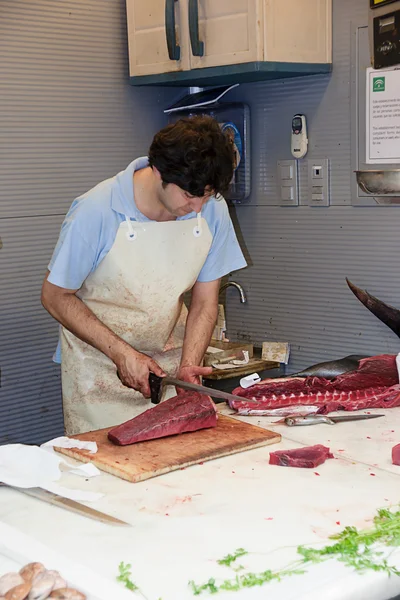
{"type": "Point", "coordinates": [183, 522]}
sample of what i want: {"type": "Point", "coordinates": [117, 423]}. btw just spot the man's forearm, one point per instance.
{"type": "Point", "coordinates": [75, 316]}
{"type": "Point", "coordinates": [199, 329]}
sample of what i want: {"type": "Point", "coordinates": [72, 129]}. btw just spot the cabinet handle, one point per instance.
{"type": "Point", "coordinates": [197, 45]}
{"type": "Point", "coordinates": [174, 50]}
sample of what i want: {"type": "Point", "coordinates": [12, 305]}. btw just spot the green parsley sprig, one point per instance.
{"type": "Point", "coordinates": [125, 576]}
{"type": "Point", "coordinates": [361, 550]}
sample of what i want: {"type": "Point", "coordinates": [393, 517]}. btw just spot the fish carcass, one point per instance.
{"type": "Point", "coordinates": [385, 313]}
{"type": "Point", "coordinates": [374, 384]}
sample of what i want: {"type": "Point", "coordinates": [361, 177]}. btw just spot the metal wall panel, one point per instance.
{"type": "Point", "coordinates": [68, 116]}
{"type": "Point", "coordinates": [68, 119]}
{"type": "Point", "coordinates": [300, 256]}
{"type": "Point", "coordinates": [30, 401]}
{"type": "Point", "coordinates": [324, 99]}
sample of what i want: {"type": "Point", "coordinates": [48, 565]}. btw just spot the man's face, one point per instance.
{"type": "Point", "coordinates": [178, 202]}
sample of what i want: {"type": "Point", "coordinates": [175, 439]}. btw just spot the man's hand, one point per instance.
{"type": "Point", "coordinates": [192, 375]}
{"type": "Point", "coordinates": [134, 369]}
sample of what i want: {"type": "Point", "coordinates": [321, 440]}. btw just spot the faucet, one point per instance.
{"type": "Point", "coordinates": [243, 298]}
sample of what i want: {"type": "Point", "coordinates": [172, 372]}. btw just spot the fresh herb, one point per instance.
{"type": "Point", "coordinates": [209, 587]}
{"type": "Point", "coordinates": [230, 558]}
{"type": "Point", "coordinates": [125, 576]}
{"type": "Point", "coordinates": [356, 549]}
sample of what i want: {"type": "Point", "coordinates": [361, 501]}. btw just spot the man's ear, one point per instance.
{"type": "Point", "coordinates": [157, 173]}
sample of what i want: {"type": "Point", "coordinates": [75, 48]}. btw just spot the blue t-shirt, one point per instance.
{"type": "Point", "coordinates": [91, 224]}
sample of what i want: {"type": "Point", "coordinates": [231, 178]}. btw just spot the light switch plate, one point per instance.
{"type": "Point", "coordinates": [318, 182]}
{"type": "Point", "coordinates": [288, 188]}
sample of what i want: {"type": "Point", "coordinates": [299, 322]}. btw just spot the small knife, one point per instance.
{"type": "Point", "coordinates": [69, 504]}
{"type": "Point", "coordinates": [157, 384]}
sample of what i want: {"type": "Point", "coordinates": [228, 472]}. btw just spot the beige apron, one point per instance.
{"type": "Point", "coordinates": [137, 292]}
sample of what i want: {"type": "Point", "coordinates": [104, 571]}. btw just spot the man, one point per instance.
{"type": "Point", "coordinates": [128, 250]}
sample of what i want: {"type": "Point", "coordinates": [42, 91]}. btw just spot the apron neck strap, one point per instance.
{"type": "Point", "coordinates": [197, 229]}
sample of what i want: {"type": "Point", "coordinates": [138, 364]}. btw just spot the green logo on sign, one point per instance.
{"type": "Point", "coordinates": [378, 84]}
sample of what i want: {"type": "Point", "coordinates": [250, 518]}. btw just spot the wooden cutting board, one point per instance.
{"type": "Point", "coordinates": [148, 459]}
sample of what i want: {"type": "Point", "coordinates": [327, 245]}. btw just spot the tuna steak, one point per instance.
{"type": "Point", "coordinates": [396, 455]}
{"type": "Point", "coordinates": [189, 411]}
{"type": "Point", "coordinates": [307, 458]}
{"type": "Point", "coordinates": [375, 384]}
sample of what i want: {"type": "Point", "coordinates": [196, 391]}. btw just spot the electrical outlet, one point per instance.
{"type": "Point", "coordinates": [318, 182]}
{"type": "Point", "coordinates": [288, 183]}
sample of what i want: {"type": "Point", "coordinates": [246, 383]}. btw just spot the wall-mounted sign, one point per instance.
{"type": "Point", "coordinates": [383, 116]}
{"type": "Point", "coordinates": [376, 3]}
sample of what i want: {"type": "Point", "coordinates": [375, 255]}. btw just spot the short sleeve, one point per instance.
{"type": "Point", "coordinates": [225, 254]}
{"type": "Point", "coordinates": [77, 250]}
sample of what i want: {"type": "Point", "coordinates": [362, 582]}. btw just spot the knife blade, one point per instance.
{"type": "Point", "coordinates": [203, 389]}
{"type": "Point", "coordinates": [69, 504]}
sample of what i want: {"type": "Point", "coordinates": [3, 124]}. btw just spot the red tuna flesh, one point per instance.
{"type": "Point", "coordinates": [189, 411]}
{"type": "Point", "coordinates": [307, 458]}
{"type": "Point", "coordinates": [396, 455]}
{"type": "Point", "coordinates": [375, 384]}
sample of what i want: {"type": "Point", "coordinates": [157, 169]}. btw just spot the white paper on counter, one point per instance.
{"type": "Point", "coordinates": [86, 470]}
{"type": "Point", "coordinates": [30, 466]}
{"type": "Point", "coordinates": [66, 442]}
{"type": "Point", "coordinates": [72, 494]}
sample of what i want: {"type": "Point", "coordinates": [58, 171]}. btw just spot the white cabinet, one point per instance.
{"type": "Point", "coordinates": [176, 37]}
{"type": "Point", "coordinates": [298, 31]}
{"type": "Point", "coordinates": [231, 32]}
{"type": "Point", "coordinates": [148, 24]}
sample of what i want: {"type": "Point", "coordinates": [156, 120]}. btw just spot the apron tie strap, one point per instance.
{"type": "Point", "coordinates": [131, 233]}
{"type": "Point", "coordinates": [197, 228]}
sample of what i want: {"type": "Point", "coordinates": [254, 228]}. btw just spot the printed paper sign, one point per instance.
{"type": "Point", "coordinates": [383, 116]}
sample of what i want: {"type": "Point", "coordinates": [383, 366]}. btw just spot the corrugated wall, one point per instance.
{"type": "Point", "coordinates": [300, 256]}
{"type": "Point", "coordinates": [68, 119]}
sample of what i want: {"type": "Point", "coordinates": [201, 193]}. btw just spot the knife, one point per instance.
{"type": "Point", "coordinates": [157, 384]}
{"type": "Point", "coordinates": [315, 419]}
{"type": "Point", "coordinates": [67, 503]}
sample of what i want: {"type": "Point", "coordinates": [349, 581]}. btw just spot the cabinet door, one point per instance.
{"type": "Point", "coordinates": [298, 31]}
{"type": "Point", "coordinates": [147, 36]}
{"type": "Point", "coordinates": [230, 31]}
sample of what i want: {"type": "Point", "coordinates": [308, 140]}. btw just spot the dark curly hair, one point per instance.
{"type": "Point", "coordinates": [195, 155]}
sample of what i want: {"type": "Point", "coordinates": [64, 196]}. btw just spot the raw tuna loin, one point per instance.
{"type": "Point", "coordinates": [307, 458]}
{"type": "Point", "coordinates": [375, 384]}
{"type": "Point", "coordinates": [396, 455]}
{"type": "Point", "coordinates": [186, 412]}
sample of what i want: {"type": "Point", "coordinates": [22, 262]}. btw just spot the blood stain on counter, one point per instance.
{"type": "Point", "coordinates": [183, 499]}
{"type": "Point", "coordinates": [315, 473]}
{"type": "Point", "coordinates": [372, 474]}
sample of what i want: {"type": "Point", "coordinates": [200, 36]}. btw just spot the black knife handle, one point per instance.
{"type": "Point", "coordinates": [155, 388]}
